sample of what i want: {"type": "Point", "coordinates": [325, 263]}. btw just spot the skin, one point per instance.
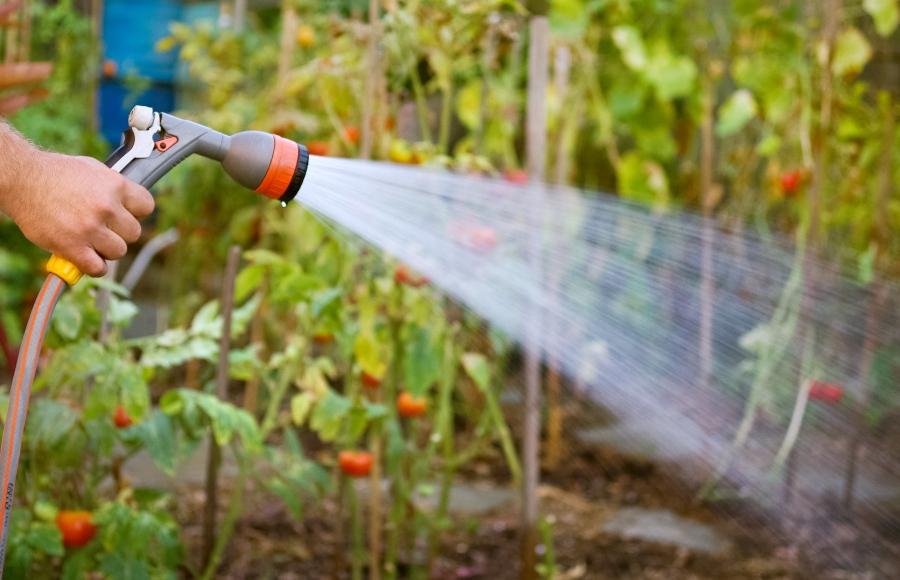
{"type": "Point", "coordinates": [74, 207]}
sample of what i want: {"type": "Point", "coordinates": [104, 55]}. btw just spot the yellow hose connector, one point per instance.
{"type": "Point", "coordinates": [64, 269]}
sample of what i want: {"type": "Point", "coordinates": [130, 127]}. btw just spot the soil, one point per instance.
{"type": "Point", "coordinates": [590, 485]}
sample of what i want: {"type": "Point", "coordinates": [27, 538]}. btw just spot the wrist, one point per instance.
{"type": "Point", "coordinates": [21, 181]}
{"type": "Point", "coordinates": [19, 170]}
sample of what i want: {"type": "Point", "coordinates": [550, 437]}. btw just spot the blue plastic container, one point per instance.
{"type": "Point", "coordinates": [131, 29]}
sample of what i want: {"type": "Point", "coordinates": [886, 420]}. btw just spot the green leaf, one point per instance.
{"type": "Point", "coordinates": [300, 406]}
{"type": "Point", "coordinates": [207, 320]}
{"type": "Point", "coordinates": [248, 281]}
{"type": "Point", "coordinates": [77, 565]}
{"type": "Point", "coordinates": [329, 414]}
{"type": "Point", "coordinates": [369, 355]}
{"type": "Point", "coordinates": [629, 42]}
{"type": "Point", "coordinates": [671, 76]}
{"type": "Point", "coordinates": [120, 567]}
{"type": "Point", "coordinates": [157, 435]}
{"type": "Point", "coordinates": [885, 13]}
{"type": "Point", "coordinates": [736, 112]}
{"type": "Point", "coordinates": [49, 422]}
{"type": "Point", "coordinates": [45, 538]}
{"type": "Point", "coordinates": [67, 319]}
{"type": "Point", "coordinates": [468, 104]}
{"type": "Point", "coordinates": [121, 312]}
{"type": "Point", "coordinates": [642, 180]}
{"type": "Point", "coordinates": [357, 421]}
{"type": "Point", "coordinates": [422, 363]}
{"type": "Point", "coordinates": [325, 301]}
{"type": "Point", "coordinates": [851, 53]}
{"type": "Point", "coordinates": [478, 369]}
{"type": "Point", "coordinates": [241, 317]}
{"type": "Point", "coordinates": [866, 265]}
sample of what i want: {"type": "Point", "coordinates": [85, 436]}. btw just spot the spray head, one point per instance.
{"type": "Point", "coordinates": [266, 163]}
{"type": "Point", "coordinates": [154, 143]}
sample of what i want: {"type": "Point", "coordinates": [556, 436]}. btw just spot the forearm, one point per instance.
{"type": "Point", "coordinates": [18, 158]}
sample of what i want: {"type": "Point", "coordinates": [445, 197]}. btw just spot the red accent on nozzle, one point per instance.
{"type": "Point", "coordinates": [278, 177]}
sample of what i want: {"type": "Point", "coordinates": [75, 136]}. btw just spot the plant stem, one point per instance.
{"type": "Point", "coordinates": [356, 532]}
{"type": "Point", "coordinates": [396, 476]}
{"type": "Point", "coordinates": [421, 103]}
{"type": "Point", "coordinates": [235, 506]}
{"type": "Point", "coordinates": [446, 115]}
{"type": "Point", "coordinates": [446, 432]}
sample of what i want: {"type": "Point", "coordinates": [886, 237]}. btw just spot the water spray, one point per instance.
{"type": "Point", "coordinates": [153, 144]}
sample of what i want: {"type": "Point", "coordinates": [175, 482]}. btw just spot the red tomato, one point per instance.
{"type": "Point", "coordinates": [517, 176]}
{"type": "Point", "coordinates": [370, 381]}
{"type": "Point", "coordinates": [323, 338]}
{"type": "Point", "coordinates": [317, 148]}
{"type": "Point", "coordinates": [355, 463]}
{"type": "Point", "coordinates": [790, 182]}
{"type": "Point", "coordinates": [410, 406]}
{"type": "Point", "coordinates": [77, 528]}
{"type": "Point", "coordinates": [121, 417]}
{"type": "Point", "coordinates": [403, 275]}
{"type": "Point", "coordinates": [483, 239]}
{"type": "Point", "coordinates": [351, 133]}
{"type": "Point", "coordinates": [826, 392]}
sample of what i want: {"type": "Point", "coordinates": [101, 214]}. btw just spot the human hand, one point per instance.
{"type": "Point", "coordinates": [78, 209]}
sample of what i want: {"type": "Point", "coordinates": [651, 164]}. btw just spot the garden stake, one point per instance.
{"type": "Point", "coordinates": [152, 145]}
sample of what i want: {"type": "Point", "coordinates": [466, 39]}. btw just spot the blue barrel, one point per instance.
{"type": "Point", "coordinates": [131, 29]}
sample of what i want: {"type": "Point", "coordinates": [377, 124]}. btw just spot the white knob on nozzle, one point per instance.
{"type": "Point", "coordinates": [141, 118]}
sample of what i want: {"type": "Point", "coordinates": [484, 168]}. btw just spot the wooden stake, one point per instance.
{"type": "Point", "coordinates": [877, 303]}
{"type": "Point", "coordinates": [707, 290]}
{"type": "Point", "coordinates": [370, 96]}
{"type": "Point", "coordinates": [288, 31]}
{"type": "Point", "coordinates": [536, 133]}
{"type": "Point", "coordinates": [554, 381]}
{"type": "Point", "coordinates": [214, 459]}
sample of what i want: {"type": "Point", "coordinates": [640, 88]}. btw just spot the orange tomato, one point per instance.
{"type": "Point", "coordinates": [410, 406]}
{"type": "Point", "coordinates": [110, 69]}
{"type": "Point", "coordinates": [121, 418]}
{"type": "Point", "coordinates": [77, 528]}
{"type": "Point", "coordinates": [370, 381]}
{"type": "Point", "coordinates": [351, 133]}
{"type": "Point", "coordinates": [826, 392]}
{"type": "Point", "coordinates": [517, 176]}
{"type": "Point", "coordinates": [790, 182]}
{"type": "Point", "coordinates": [403, 275]}
{"type": "Point", "coordinates": [323, 338]}
{"type": "Point", "coordinates": [317, 148]}
{"type": "Point", "coordinates": [483, 239]}
{"type": "Point", "coordinates": [306, 36]}
{"type": "Point", "coordinates": [355, 463]}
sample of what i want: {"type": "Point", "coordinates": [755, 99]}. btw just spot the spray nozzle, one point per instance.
{"type": "Point", "coordinates": [154, 143]}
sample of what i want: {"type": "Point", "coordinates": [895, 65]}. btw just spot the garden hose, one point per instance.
{"type": "Point", "coordinates": [152, 145]}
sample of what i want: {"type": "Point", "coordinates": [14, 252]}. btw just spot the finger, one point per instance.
{"type": "Point", "coordinates": [89, 262]}
{"type": "Point", "coordinates": [109, 244]}
{"type": "Point", "coordinates": [125, 226]}
{"type": "Point", "coordinates": [137, 200]}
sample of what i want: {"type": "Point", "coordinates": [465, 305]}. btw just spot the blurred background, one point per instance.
{"type": "Point", "coordinates": [768, 127]}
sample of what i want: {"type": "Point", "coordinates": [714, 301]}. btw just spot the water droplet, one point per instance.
{"type": "Point", "coordinates": [284, 204]}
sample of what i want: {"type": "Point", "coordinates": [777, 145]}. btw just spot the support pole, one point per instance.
{"type": "Point", "coordinates": [214, 460]}
{"type": "Point", "coordinates": [536, 134]}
